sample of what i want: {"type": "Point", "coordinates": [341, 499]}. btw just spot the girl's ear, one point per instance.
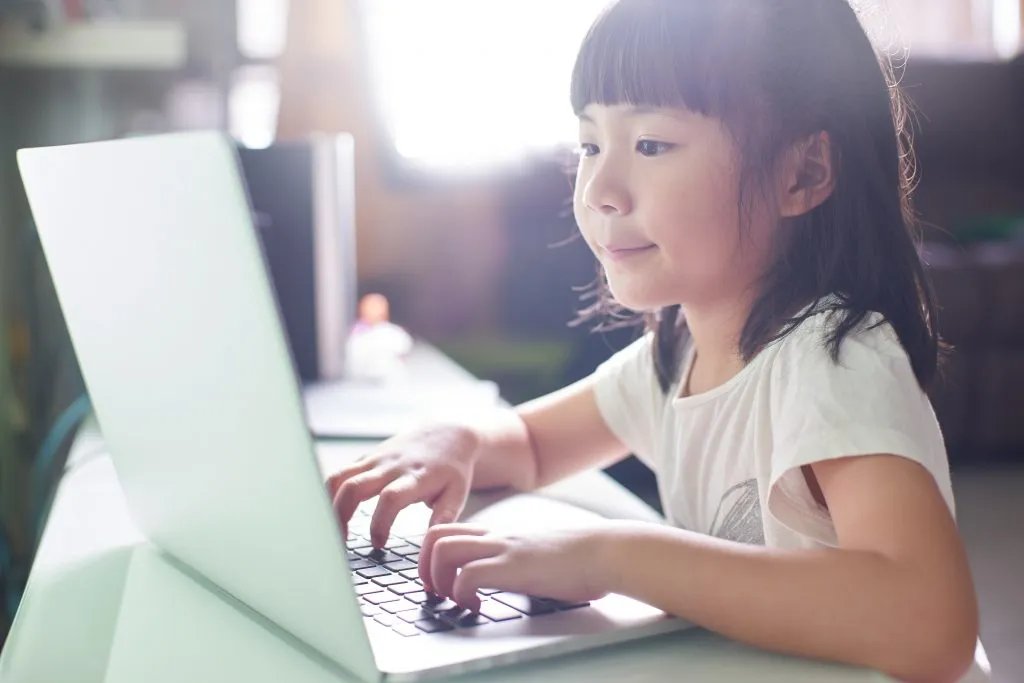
{"type": "Point", "coordinates": [807, 176]}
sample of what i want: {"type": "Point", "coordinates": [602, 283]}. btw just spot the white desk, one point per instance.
{"type": "Point", "coordinates": [103, 606]}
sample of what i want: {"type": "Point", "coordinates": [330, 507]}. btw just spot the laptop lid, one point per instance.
{"type": "Point", "coordinates": [161, 279]}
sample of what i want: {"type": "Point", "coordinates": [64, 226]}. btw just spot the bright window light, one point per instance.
{"type": "Point", "coordinates": [466, 84]}
{"type": "Point", "coordinates": [253, 104]}
{"type": "Point", "coordinates": [262, 27]}
{"type": "Point", "coordinates": [1006, 24]}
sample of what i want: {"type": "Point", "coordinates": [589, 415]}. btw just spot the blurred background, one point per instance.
{"type": "Point", "coordinates": [462, 127]}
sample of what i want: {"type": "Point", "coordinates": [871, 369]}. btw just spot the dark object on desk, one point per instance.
{"type": "Point", "coordinates": [303, 199]}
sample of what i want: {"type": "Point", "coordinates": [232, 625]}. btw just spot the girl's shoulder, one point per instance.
{"type": "Point", "coordinates": [869, 359]}
{"type": "Point", "coordinates": [815, 334]}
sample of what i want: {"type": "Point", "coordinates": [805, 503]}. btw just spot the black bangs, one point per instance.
{"type": "Point", "coordinates": [658, 53]}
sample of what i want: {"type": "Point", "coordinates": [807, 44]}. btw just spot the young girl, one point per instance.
{"type": "Point", "coordinates": [743, 181]}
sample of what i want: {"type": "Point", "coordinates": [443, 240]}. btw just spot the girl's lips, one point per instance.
{"type": "Point", "coordinates": [625, 253]}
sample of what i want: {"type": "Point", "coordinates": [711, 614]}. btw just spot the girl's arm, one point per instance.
{"type": "Point", "coordinates": [539, 443]}
{"type": "Point", "coordinates": [545, 440]}
{"type": "Point", "coordinates": [896, 596]}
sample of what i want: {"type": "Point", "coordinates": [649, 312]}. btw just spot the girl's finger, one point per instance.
{"type": "Point", "coordinates": [399, 494]}
{"type": "Point", "coordinates": [490, 572]}
{"type": "Point", "coordinates": [357, 489]}
{"type": "Point", "coordinates": [433, 535]}
{"type": "Point", "coordinates": [447, 506]}
{"type": "Point", "coordinates": [451, 553]}
{"type": "Point", "coordinates": [335, 481]}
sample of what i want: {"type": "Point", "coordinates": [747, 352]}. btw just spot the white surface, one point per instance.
{"type": "Point", "coordinates": [382, 409]}
{"type": "Point", "coordinates": [217, 463]}
{"type": "Point", "coordinates": [429, 385]}
{"type": "Point", "coordinates": [98, 45]}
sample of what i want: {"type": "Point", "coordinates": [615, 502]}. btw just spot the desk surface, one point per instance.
{"type": "Point", "coordinates": [103, 606]}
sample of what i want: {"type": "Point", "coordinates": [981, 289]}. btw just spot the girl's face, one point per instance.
{"type": "Point", "coordinates": [657, 200]}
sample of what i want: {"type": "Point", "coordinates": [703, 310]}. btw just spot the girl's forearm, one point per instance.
{"type": "Point", "coordinates": [506, 455]}
{"type": "Point", "coordinates": [853, 607]}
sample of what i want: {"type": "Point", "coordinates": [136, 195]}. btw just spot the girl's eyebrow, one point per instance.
{"type": "Point", "coordinates": [640, 110]}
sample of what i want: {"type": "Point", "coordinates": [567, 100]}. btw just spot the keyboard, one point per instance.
{"type": "Point", "coordinates": [392, 595]}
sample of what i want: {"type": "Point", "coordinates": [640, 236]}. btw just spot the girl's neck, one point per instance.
{"type": "Point", "coordinates": [715, 332]}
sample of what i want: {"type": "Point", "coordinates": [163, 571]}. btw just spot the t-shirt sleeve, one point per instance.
{"type": "Point", "coordinates": [870, 403]}
{"type": "Point", "coordinates": [630, 399]}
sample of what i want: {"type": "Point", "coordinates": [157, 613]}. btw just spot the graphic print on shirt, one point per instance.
{"type": "Point", "coordinates": [738, 517]}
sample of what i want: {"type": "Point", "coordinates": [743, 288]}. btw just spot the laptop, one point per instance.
{"type": "Point", "coordinates": [164, 286]}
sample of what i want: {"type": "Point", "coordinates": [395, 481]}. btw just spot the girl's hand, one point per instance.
{"type": "Point", "coordinates": [457, 560]}
{"type": "Point", "coordinates": [432, 466]}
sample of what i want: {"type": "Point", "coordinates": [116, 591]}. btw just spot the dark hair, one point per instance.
{"type": "Point", "coordinates": [776, 72]}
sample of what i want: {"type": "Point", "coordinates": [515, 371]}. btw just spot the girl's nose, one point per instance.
{"type": "Point", "coordinates": [606, 194]}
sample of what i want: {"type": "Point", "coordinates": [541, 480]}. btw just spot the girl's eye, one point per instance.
{"type": "Point", "coordinates": [652, 148]}
{"type": "Point", "coordinates": [587, 149]}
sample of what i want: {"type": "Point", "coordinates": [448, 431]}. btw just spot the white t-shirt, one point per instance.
{"type": "Point", "coordinates": [728, 461]}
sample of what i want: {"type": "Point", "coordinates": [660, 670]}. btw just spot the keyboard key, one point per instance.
{"type": "Point", "coordinates": [399, 606]}
{"type": "Point", "coordinates": [367, 588]}
{"type": "Point", "coordinates": [404, 629]}
{"type": "Point", "coordinates": [452, 615]}
{"type": "Point", "coordinates": [400, 565]}
{"type": "Point", "coordinates": [436, 604]}
{"type": "Point", "coordinates": [373, 572]}
{"type": "Point", "coordinates": [358, 580]}
{"type": "Point", "coordinates": [416, 540]}
{"type": "Point", "coordinates": [361, 563]}
{"type": "Point", "coordinates": [404, 549]}
{"type": "Point", "coordinates": [411, 574]}
{"type": "Point", "coordinates": [405, 588]}
{"type": "Point", "coordinates": [413, 616]}
{"type": "Point", "coordinates": [370, 610]}
{"type": "Point", "coordinates": [419, 597]}
{"type": "Point", "coordinates": [433, 626]}
{"type": "Point", "coordinates": [495, 611]}
{"type": "Point", "coordinates": [471, 620]}
{"type": "Point", "coordinates": [351, 556]}
{"type": "Point", "coordinates": [524, 604]}
{"type": "Point", "coordinates": [380, 598]}
{"type": "Point", "coordinates": [389, 580]}
{"type": "Point", "coordinates": [385, 619]}
{"type": "Point", "coordinates": [383, 556]}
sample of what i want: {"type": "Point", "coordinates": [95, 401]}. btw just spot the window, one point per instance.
{"type": "Point", "coordinates": [946, 28]}
{"type": "Point", "coordinates": [255, 94]}
{"type": "Point", "coordinates": [253, 104]}
{"type": "Point", "coordinates": [262, 28]}
{"type": "Point", "coordinates": [469, 83]}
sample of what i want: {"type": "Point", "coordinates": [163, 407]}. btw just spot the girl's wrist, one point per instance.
{"type": "Point", "coordinates": [610, 550]}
